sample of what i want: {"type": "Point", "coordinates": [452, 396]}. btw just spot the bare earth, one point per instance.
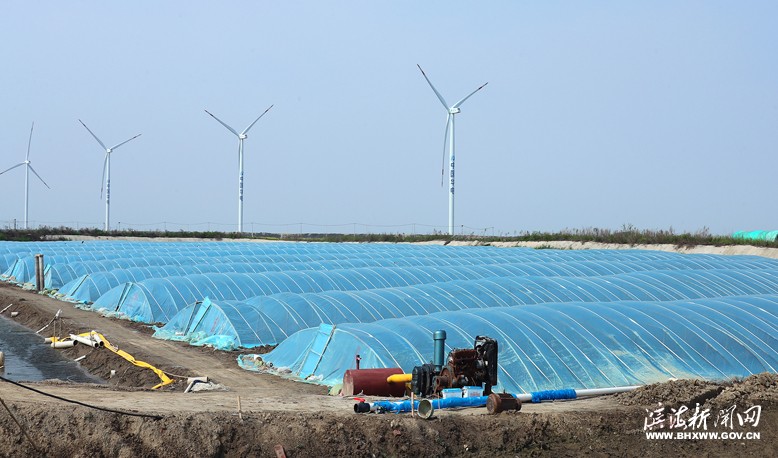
{"type": "Point", "coordinates": [305, 421]}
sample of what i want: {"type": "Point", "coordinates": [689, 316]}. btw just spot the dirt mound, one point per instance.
{"type": "Point", "coordinates": [761, 389]}
{"type": "Point", "coordinates": [671, 394]}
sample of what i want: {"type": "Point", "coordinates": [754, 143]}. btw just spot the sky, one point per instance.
{"type": "Point", "coordinates": [660, 115]}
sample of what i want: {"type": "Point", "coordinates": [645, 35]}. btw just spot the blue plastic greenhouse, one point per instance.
{"type": "Point", "coordinates": [269, 320]}
{"type": "Point", "coordinates": [565, 345]}
{"type": "Point", "coordinates": [157, 300]}
{"type": "Point", "coordinates": [563, 318]}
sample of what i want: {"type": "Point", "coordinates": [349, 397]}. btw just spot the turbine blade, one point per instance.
{"type": "Point", "coordinates": [102, 183]}
{"type": "Point", "coordinates": [445, 143]}
{"type": "Point", "coordinates": [93, 134]}
{"type": "Point", "coordinates": [39, 177]}
{"type": "Point", "coordinates": [120, 144]}
{"type": "Point", "coordinates": [442, 100]}
{"type": "Point", "coordinates": [29, 142]}
{"type": "Point", "coordinates": [223, 124]}
{"type": "Point", "coordinates": [17, 165]}
{"type": "Point", "coordinates": [246, 130]}
{"type": "Point", "coordinates": [456, 105]}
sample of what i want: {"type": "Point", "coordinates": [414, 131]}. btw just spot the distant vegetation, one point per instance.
{"type": "Point", "coordinates": [628, 235]}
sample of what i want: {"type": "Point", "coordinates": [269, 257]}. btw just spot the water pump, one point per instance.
{"type": "Point", "coordinates": [463, 367]}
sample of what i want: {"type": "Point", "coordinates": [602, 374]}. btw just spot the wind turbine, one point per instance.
{"type": "Point", "coordinates": [28, 167]}
{"type": "Point", "coordinates": [241, 136]}
{"type": "Point", "coordinates": [449, 137]}
{"type": "Point", "coordinates": [106, 174]}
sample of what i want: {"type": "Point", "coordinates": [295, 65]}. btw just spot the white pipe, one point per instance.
{"type": "Point", "coordinates": [85, 340]}
{"type": "Point", "coordinates": [63, 344]}
{"type": "Point", "coordinates": [94, 335]}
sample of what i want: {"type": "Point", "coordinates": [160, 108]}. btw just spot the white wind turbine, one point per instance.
{"type": "Point", "coordinates": [241, 136]}
{"type": "Point", "coordinates": [449, 137]}
{"type": "Point", "coordinates": [28, 167]}
{"type": "Point", "coordinates": [106, 180]}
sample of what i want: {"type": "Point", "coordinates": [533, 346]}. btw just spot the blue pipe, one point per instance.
{"type": "Point", "coordinates": [535, 396]}
{"type": "Point", "coordinates": [447, 403]}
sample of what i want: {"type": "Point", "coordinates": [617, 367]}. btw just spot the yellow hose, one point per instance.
{"type": "Point", "coordinates": [399, 378]}
{"type": "Point", "coordinates": [162, 376]}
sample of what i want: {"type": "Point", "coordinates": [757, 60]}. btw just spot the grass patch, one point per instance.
{"type": "Point", "coordinates": [626, 235]}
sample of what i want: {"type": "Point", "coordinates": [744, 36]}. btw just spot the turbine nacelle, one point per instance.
{"type": "Point", "coordinates": [243, 136]}
{"type": "Point", "coordinates": [454, 110]}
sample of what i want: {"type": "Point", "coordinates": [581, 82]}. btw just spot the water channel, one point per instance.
{"type": "Point", "coordinates": [28, 358]}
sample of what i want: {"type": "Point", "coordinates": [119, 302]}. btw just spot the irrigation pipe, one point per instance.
{"type": "Point", "coordinates": [480, 401]}
{"type": "Point", "coordinates": [155, 417]}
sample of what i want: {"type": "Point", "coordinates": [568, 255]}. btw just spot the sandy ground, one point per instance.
{"type": "Point", "coordinates": [303, 421]}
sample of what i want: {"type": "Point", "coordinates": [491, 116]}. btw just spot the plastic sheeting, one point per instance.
{"type": "Point", "coordinates": [764, 236]}
{"type": "Point", "coordinates": [21, 262]}
{"type": "Point", "coordinates": [269, 320]}
{"type": "Point", "coordinates": [87, 288]}
{"type": "Point", "coordinates": [158, 300]}
{"type": "Point", "coordinates": [570, 345]}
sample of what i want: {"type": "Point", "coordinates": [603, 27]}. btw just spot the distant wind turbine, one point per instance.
{"type": "Point", "coordinates": [106, 180]}
{"type": "Point", "coordinates": [28, 167]}
{"type": "Point", "coordinates": [449, 137]}
{"type": "Point", "coordinates": [241, 136]}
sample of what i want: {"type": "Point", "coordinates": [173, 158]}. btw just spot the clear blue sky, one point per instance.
{"type": "Point", "coordinates": [597, 114]}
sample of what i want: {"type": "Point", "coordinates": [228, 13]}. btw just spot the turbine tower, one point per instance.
{"type": "Point", "coordinates": [449, 137]}
{"type": "Point", "coordinates": [241, 136]}
{"type": "Point", "coordinates": [107, 174]}
{"type": "Point", "coordinates": [28, 167]}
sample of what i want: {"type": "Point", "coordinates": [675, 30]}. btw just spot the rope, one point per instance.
{"type": "Point", "coordinates": [155, 417]}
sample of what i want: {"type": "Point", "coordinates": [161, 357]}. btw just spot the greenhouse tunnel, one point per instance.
{"type": "Point", "coordinates": [269, 320]}
{"type": "Point", "coordinates": [563, 345]}
{"type": "Point", "coordinates": [157, 300]}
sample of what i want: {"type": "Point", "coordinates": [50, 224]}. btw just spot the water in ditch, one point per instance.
{"type": "Point", "coordinates": [28, 358]}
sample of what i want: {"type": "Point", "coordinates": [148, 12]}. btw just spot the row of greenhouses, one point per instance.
{"type": "Point", "coordinates": [580, 312]}
{"type": "Point", "coordinates": [571, 345]}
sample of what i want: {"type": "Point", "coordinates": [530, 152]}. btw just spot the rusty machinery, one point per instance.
{"type": "Point", "coordinates": [463, 367]}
